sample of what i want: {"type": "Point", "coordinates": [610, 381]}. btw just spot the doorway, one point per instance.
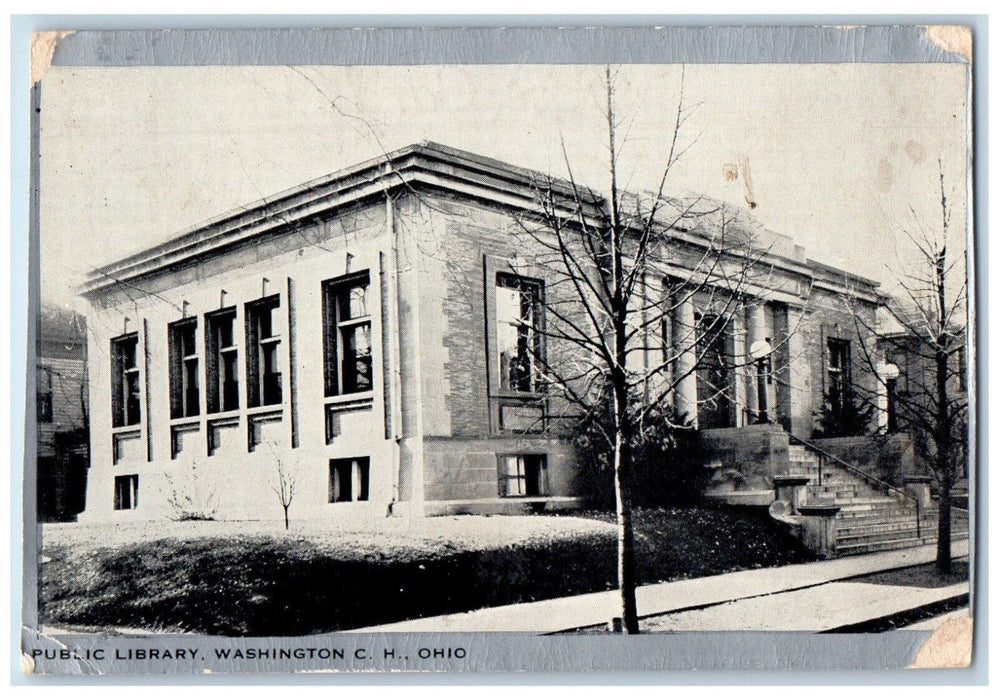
{"type": "Point", "coordinates": [715, 400]}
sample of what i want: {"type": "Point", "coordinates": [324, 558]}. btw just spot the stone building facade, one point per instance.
{"type": "Point", "coordinates": [355, 334]}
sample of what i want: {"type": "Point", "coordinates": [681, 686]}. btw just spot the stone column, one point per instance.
{"type": "Point", "coordinates": [800, 326]}
{"type": "Point", "coordinates": [684, 340]}
{"type": "Point", "coordinates": [742, 379]}
{"type": "Point", "coordinates": [756, 331]}
{"type": "Point", "coordinates": [886, 371]}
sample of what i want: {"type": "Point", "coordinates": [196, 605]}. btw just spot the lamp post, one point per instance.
{"type": "Point", "coordinates": [887, 372]}
{"type": "Point", "coordinates": [760, 352]}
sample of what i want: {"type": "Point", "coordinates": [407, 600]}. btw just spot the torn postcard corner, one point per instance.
{"type": "Point", "coordinates": [952, 38]}
{"type": "Point", "coordinates": [43, 46]}
{"type": "Point", "coordinates": [949, 646]}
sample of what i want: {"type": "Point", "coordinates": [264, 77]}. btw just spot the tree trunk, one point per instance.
{"type": "Point", "coordinates": [943, 457]}
{"type": "Point", "coordinates": [943, 528]}
{"type": "Point", "coordinates": [626, 578]}
{"type": "Point", "coordinates": [286, 525]}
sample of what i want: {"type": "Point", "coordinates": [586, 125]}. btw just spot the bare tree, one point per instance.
{"type": "Point", "coordinates": [622, 273]}
{"type": "Point", "coordinates": [285, 480]}
{"type": "Point", "coordinates": [927, 334]}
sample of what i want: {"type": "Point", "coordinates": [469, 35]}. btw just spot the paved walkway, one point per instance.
{"type": "Point", "coordinates": [817, 609]}
{"type": "Point", "coordinates": [593, 609]}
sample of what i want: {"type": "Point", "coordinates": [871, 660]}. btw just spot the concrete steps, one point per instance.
{"type": "Point", "coordinates": [881, 545]}
{"type": "Point", "coordinates": [870, 518]}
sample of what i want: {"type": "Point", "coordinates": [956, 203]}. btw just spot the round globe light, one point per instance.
{"type": "Point", "coordinates": [889, 370]}
{"type": "Point", "coordinates": [760, 349]}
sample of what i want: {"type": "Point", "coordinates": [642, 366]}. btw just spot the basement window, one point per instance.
{"type": "Point", "coordinates": [126, 492]}
{"type": "Point", "coordinates": [522, 475]}
{"type": "Point", "coordinates": [349, 479]}
{"type": "Point", "coordinates": [125, 380]}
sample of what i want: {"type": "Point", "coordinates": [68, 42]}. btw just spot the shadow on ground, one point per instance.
{"type": "Point", "coordinates": [924, 576]}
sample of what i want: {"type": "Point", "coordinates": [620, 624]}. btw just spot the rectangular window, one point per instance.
{"type": "Point", "coordinates": [44, 395]}
{"type": "Point", "coordinates": [222, 358]}
{"type": "Point", "coordinates": [126, 492]}
{"type": "Point", "coordinates": [347, 335]}
{"type": "Point", "coordinates": [839, 371]}
{"type": "Point", "coordinates": [522, 475]}
{"type": "Point", "coordinates": [349, 479]}
{"type": "Point", "coordinates": [184, 397]}
{"type": "Point", "coordinates": [263, 343]}
{"type": "Point", "coordinates": [900, 358]}
{"type": "Point", "coordinates": [518, 337]}
{"type": "Point", "coordinates": [125, 397]}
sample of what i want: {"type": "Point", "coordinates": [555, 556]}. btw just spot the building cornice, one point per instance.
{"type": "Point", "coordinates": [414, 168]}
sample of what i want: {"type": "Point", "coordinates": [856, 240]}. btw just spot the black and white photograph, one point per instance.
{"type": "Point", "coordinates": [570, 350]}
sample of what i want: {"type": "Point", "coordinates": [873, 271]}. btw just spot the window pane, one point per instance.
{"type": "Point", "coordinates": [356, 358]}
{"type": "Point", "coordinates": [224, 325]}
{"type": "Point", "coordinates": [513, 466]}
{"type": "Point", "coordinates": [132, 403]}
{"type": "Point", "coordinates": [128, 349]}
{"type": "Point", "coordinates": [191, 387]}
{"type": "Point", "coordinates": [517, 344]}
{"type": "Point", "coordinates": [230, 382]}
{"type": "Point", "coordinates": [361, 480]}
{"type": "Point", "coordinates": [271, 376]}
{"type": "Point", "coordinates": [354, 302]}
{"type": "Point", "coordinates": [512, 482]}
{"type": "Point", "coordinates": [187, 344]}
{"type": "Point", "coordinates": [265, 320]}
{"type": "Point", "coordinates": [507, 310]}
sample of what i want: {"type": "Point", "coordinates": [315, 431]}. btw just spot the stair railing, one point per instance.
{"type": "Point", "coordinates": [853, 469]}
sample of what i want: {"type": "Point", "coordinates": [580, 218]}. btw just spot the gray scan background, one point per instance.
{"type": "Point", "coordinates": [720, 658]}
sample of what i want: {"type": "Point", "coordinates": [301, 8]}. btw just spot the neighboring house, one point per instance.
{"type": "Point", "coordinates": [365, 330]}
{"type": "Point", "coordinates": [61, 414]}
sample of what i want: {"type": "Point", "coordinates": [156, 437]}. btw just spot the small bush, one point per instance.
{"type": "Point", "coordinates": [666, 467]}
{"type": "Point", "coordinates": [847, 417]}
{"type": "Point", "coordinates": [191, 496]}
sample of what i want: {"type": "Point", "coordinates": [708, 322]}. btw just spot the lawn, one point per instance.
{"type": "Point", "coordinates": [253, 578]}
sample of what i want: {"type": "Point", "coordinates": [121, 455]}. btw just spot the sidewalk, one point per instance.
{"type": "Point", "coordinates": [593, 609]}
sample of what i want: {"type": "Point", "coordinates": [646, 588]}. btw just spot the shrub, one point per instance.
{"type": "Point", "coordinates": [667, 461]}
{"type": "Point", "coordinates": [847, 417]}
{"type": "Point", "coordinates": [191, 496]}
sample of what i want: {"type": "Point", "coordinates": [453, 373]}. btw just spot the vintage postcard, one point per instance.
{"type": "Point", "coordinates": [354, 350]}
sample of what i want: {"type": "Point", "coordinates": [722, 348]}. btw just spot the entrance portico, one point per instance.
{"type": "Point", "coordinates": [733, 371]}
